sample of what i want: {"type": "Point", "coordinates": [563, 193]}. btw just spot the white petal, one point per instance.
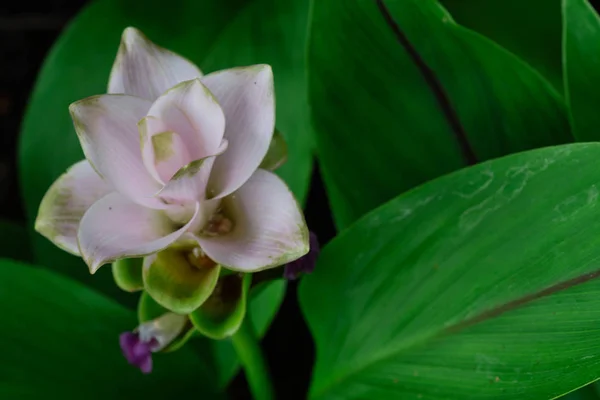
{"type": "Point", "coordinates": [163, 329]}
{"type": "Point", "coordinates": [268, 227]}
{"type": "Point", "coordinates": [66, 201]}
{"type": "Point", "coordinates": [189, 183]}
{"type": "Point", "coordinates": [115, 227]}
{"type": "Point", "coordinates": [190, 110]}
{"type": "Point", "coordinates": [246, 96]}
{"type": "Point", "coordinates": [163, 151]}
{"type": "Point", "coordinates": [107, 129]}
{"type": "Point", "coordinates": [146, 70]}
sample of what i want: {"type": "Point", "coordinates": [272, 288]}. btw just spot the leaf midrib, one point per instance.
{"type": "Point", "coordinates": [434, 84]}
{"type": "Point", "coordinates": [458, 326]}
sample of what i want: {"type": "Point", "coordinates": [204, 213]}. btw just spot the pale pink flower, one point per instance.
{"type": "Point", "coordinates": [173, 156]}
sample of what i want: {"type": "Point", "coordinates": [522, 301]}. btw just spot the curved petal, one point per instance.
{"type": "Point", "coordinates": [190, 110]}
{"type": "Point", "coordinates": [146, 70]}
{"type": "Point", "coordinates": [189, 183]}
{"type": "Point", "coordinates": [66, 201]}
{"type": "Point", "coordinates": [163, 151]}
{"type": "Point", "coordinates": [107, 129]}
{"type": "Point", "coordinates": [115, 227]}
{"type": "Point", "coordinates": [247, 98]}
{"type": "Point", "coordinates": [268, 227]}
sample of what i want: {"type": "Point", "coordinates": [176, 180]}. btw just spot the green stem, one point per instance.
{"type": "Point", "coordinates": [250, 355]}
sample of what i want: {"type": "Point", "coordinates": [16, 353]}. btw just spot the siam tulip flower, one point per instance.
{"type": "Point", "coordinates": [172, 174]}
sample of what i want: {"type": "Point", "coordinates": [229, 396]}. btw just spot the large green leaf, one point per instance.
{"type": "Point", "coordinates": [581, 46]}
{"type": "Point", "coordinates": [60, 339]}
{"type": "Point", "coordinates": [478, 285]}
{"type": "Point", "coordinates": [213, 33]}
{"type": "Point", "coordinates": [404, 96]}
{"type": "Point", "coordinates": [531, 29]}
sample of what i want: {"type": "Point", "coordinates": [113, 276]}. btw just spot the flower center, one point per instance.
{"type": "Point", "coordinates": [198, 259]}
{"type": "Point", "coordinates": [218, 225]}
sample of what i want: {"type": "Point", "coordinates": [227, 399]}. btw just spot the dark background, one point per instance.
{"type": "Point", "coordinates": [27, 31]}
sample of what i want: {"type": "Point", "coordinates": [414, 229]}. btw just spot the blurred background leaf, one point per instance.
{"type": "Point", "coordinates": [481, 300]}
{"type": "Point", "coordinates": [530, 29]}
{"type": "Point", "coordinates": [208, 33]}
{"type": "Point", "coordinates": [400, 95]}
{"type": "Point", "coordinates": [15, 241]}
{"type": "Point", "coordinates": [581, 44]}
{"type": "Point", "coordinates": [60, 339]}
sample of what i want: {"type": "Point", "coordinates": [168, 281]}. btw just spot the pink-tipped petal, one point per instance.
{"type": "Point", "coordinates": [268, 227]}
{"type": "Point", "coordinates": [107, 129]}
{"type": "Point", "coordinates": [65, 203]}
{"type": "Point", "coordinates": [163, 151]}
{"type": "Point", "coordinates": [116, 227]}
{"type": "Point", "coordinates": [246, 96]}
{"type": "Point", "coordinates": [146, 70]}
{"type": "Point", "coordinates": [190, 110]}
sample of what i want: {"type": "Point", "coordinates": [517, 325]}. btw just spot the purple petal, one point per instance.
{"type": "Point", "coordinates": [145, 365]}
{"type": "Point", "coordinates": [306, 263]}
{"type": "Point", "coordinates": [137, 352]}
{"type": "Point", "coordinates": [127, 341]}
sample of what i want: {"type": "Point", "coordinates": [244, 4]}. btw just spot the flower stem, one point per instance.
{"type": "Point", "coordinates": [250, 355]}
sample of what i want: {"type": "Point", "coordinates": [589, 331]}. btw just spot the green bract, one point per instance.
{"type": "Point", "coordinates": [223, 313]}
{"type": "Point", "coordinates": [127, 273]}
{"type": "Point", "coordinates": [173, 280]}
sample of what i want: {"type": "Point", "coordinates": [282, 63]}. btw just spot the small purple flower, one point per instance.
{"type": "Point", "coordinates": [306, 263]}
{"type": "Point", "coordinates": [150, 337]}
{"type": "Point", "coordinates": [136, 351]}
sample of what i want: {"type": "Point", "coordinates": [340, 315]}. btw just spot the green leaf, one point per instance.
{"type": "Point", "coordinates": [581, 46]}
{"type": "Point", "coordinates": [60, 340]}
{"type": "Point", "coordinates": [530, 29]}
{"type": "Point", "coordinates": [215, 34]}
{"type": "Point", "coordinates": [221, 315]}
{"type": "Point", "coordinates": [482, 284]}
{"type": "Point", "coordinates": [178, 285]}
{"type": "Point", "coordinates": [14, 241]}
{"type": "Point", "coordinates": [403, 97]}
